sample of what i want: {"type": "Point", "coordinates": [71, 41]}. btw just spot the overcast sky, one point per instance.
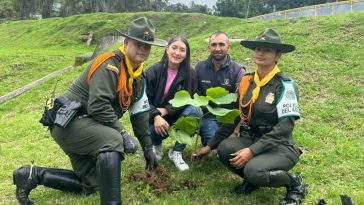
{"type": "Point", "coordinates": [209, 3]}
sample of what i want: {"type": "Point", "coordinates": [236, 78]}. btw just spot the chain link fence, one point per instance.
{"type": "Point", "coordinates": [316, 10]}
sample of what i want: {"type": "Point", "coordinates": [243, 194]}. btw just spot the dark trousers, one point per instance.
{"type": "Point", "coordinates": [82, 140]}
{"type": "Point", "coordinates": [256, 170]}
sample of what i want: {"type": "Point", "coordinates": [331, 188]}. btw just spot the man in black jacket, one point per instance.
{"type": "Point", "coordinates": [218, 70]}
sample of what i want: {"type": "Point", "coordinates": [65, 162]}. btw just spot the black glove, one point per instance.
{"type": "Point", "coordinates": [150, 159]}
{"type": "Point", "coordinates": [130, 144]}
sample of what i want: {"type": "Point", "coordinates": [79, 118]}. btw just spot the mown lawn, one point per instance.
{"type": "Point", "coordinates": [327, 66]}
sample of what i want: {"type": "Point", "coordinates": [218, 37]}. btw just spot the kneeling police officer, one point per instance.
{"type": "Point", "coordinates": [94, 139]}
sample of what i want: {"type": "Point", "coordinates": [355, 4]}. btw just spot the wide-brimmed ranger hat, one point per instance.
{"type": "Point", "coordinates": [268, 38]}
{"type": "Point", "coordinates": [142, 30]}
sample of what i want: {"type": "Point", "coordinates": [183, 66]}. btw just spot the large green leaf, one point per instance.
{"type": "Point", "coordinates": [218, 111]}
{"type": "Point", "coordinates": [188, 124]}
{"type": "Point", "coordinates": [228, 118]}
{"type": "Point", "coordinates": [180, 136]}
{"type": "Point", "coordinates": [199, 101]}
{"type": "Point", "coordinates": [219, 95]}
{"type": "Point", "coordinates": [182, 98]}
{"type": "Point", "coordinates": [224, 115]}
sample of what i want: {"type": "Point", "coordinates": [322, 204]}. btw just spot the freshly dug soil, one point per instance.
{"type": "Point", "coordinates": [159, 180]}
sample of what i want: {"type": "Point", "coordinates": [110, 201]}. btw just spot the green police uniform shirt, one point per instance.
{"type": "Point", "coordinates": [265, 114]}
{"type": "Point", "coordinates": [101, 101]}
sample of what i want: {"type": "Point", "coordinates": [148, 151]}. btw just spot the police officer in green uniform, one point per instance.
{"type": "Point", "coordinates": [260, 148]}
{"type": "Point", "coordinates": [95, 140]}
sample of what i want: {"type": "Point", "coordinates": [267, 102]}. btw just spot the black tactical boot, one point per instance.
{"type": "Point", "coordinates": [245, 188]}
{"type": "Point", "coordinates": [28, 177]}
{"type": "Point", "coordinates": [25, 180]}
{"type": "Point", "coordinates": [296, 191]}
{"type": "Point", "coordinates": [109, 171]}
{"type": "Point", "coordinates": [294, 184]}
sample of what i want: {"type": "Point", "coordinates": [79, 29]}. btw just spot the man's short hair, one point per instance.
{"type": "Point", "coordinates": [217, 33]}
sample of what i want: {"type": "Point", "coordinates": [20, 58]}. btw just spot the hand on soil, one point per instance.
{"type": "Point", "coordinates": [200, 153]}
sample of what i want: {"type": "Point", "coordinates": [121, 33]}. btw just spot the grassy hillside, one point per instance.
{"type": "Point", "coordinates": [327, 66]}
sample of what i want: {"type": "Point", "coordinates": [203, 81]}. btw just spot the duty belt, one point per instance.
{"type": "Point", "coordinates": [255, 132]}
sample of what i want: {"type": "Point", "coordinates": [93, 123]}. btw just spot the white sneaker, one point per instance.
{"type": "Point", "coordinates": [177, 159]}
{"type": "Point", "coordinates": [158, 152]}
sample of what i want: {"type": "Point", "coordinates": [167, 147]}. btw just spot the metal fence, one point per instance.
{"type": "Point", "coordinates": [316, 10]}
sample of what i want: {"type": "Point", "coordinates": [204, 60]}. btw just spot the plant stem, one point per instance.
{"type": "Point", "coordinates": [195, 146]}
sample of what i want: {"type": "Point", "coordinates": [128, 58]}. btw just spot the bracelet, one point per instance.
{"type": "Point", "coordinates": [155, 113]}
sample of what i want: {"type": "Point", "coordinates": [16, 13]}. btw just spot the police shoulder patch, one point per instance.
{"type": "Point", "coordinates": [141, 105]}
{"type": "Point", "coordinates": [288, 103]}
{"type": "Point", "coordinates": [112, 68]}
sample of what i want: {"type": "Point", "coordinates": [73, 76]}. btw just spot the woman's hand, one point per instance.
{"type": "Point", "coordinates": [200, 153]}
{"type": "Point", "coordinates": [241, 157]}
{"type": "Point", "coordinates": [161, 126]}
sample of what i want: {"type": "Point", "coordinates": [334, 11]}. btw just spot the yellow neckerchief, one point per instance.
{"type": "Point", "coordinates": [125, 92]}
{"type": "Point", "coordinates": [126, 89]}
{"type": "Point", "coordinates": [132, 74]}
{"type": "Point", "coordinates": [244, 84]}
{"type": "Point", "coordinates": [261, 83]}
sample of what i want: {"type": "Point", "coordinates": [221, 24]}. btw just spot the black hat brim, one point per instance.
{"type": "Point", "coordinates": [155, 42]}
{"type": "Point", "coordinates": [284, 48]}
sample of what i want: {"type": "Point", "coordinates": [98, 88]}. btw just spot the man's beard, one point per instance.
{"type": "Point", "coordinates": [218, 57]}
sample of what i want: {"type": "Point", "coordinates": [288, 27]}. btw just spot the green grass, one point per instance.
{"type": "Point", "coordinates": [327, 66]}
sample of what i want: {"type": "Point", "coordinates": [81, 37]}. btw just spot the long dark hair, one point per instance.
{"type": "Point", "coordinates": [185, 65]}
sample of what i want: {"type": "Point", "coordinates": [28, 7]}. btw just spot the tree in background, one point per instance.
{"type": "Point", "coordinates": [197, 8]}
{"type": "Point", "coordinates": [69, 7]}
{"type": "Point", "coordinates": [255, 8]}
{"type": "Point", "coordinates": [117, 6]}
{"type": "Point", "coordinates": [94, 6]}
{"type": "Point", "coordinates": [159, 5]}
{"type": "Point", "coordinates": [25, 9]}
{"type": "Point", "coordinates": [177, 8]}
{"type": "Point", "coordinates": [7, 9]}
{"type": "Point", "coordinates": [47, 6]}
{"type": "Point", "coordinates": [233, 8]}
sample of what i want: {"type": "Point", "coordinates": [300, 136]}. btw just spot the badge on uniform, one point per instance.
{"type": "Point", "coordinates": [270, 98]}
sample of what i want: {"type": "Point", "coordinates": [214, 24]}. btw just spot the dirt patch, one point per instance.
{"type": "Point", "coordinates": [157, 179]}
{"type": "Point", "coordinates": [160, 181]}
